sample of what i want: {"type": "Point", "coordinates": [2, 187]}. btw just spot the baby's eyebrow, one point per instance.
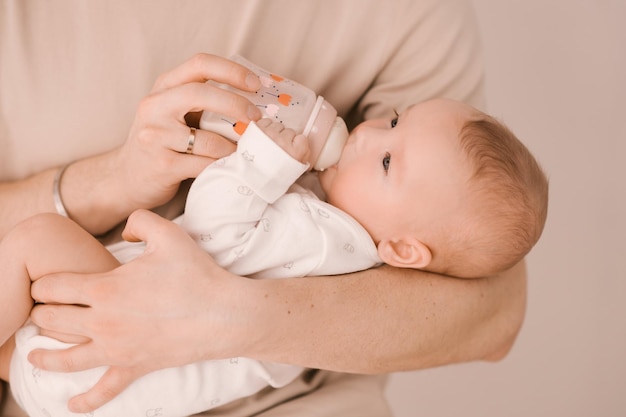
{"type": "Point", "coordinates": [404, 112]}
{"type": "Point", "coordinates": [400, 116]}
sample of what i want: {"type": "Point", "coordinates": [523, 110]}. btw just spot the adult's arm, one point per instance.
{"type": "Point", "coordinates": [380, 320]}
{"type": "Point", "coordinates": [146, 171]}
{"type": "Point", "coordinates": [391, 319]}
{"type": "Point", "coordinates": [22, 199]}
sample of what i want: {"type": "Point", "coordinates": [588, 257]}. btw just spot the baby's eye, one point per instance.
{"type": "Point", "coordinates": [394, 122]}
{"type": "Point", "coordinates": [386, 162]}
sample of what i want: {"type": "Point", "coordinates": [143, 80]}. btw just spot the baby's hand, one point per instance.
{"type": "Point", "coordinates": [296, 146]}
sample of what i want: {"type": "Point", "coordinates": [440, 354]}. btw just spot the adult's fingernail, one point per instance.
{"type": "Point", "coordinates": [252, 81]}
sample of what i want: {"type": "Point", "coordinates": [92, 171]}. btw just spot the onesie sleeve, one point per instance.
{"type": "Point", "coordinates": [248, 213]}
{"type": "Point", "coordinates": [263, 166]}
{"type": "Point", "coordinates": [227, 200]}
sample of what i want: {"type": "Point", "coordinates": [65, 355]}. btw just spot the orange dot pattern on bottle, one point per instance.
{"type": "Point", "coordinates": [240, 127]}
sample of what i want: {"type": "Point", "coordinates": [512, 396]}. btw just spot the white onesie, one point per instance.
{"type": "Point", "coordinates": [248, 213]}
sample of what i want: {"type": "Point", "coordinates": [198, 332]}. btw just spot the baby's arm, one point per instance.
{"type": "Point", "coordinates": [229, 199]}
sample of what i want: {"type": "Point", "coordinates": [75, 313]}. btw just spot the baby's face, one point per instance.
{"type": "Point", "coordinates": [402, 172]}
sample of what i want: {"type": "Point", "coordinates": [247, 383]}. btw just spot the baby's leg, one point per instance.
{"type": "Point", "coordinates": [43, 244]}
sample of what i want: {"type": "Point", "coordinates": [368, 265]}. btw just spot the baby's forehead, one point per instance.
{"type": "Point", "coordinates": [437, 120]}
{"type": "Point", "coordinates": [442, 108]}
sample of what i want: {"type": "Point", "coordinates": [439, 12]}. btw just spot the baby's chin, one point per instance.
{"type": "Point", "coordinates": [326, 177]}
{"type": "Point", "coordinates": [327, 173]}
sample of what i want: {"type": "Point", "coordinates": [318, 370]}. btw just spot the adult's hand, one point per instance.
{"type": "Point", "coordinates": [145, 315]}
{"type": "Point", "coordinates": [148, 168]}
{"type": "Point", "coordinates": [153, 160]}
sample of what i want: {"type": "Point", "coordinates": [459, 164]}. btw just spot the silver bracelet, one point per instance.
{"type": "Point", "coordinates": [56, 191]}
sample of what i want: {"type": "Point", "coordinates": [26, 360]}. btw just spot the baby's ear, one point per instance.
{"type": "Point", "coordinates": [405, 252]}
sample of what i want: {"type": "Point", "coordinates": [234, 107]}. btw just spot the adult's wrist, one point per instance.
{"type": "Point", "coordinates": [242, 300]}
{"type": "Point", "coordinates": [89, 194]}
{"type": "Point", "coordinates": [275, 321]}
{"type": "Point", "coordinates": [24, 198]}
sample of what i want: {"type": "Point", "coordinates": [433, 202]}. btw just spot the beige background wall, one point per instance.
{"type": "Point", "coordinates": [556, 74]}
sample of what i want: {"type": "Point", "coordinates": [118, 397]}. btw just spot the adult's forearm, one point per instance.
{"type": "Point", "coordinates": [385, 319]}
{"type": "Point", "coordinates": [22, 199]}
{"type": "Point", "coordinates": [87, 189]}
{"type": "Point", "coordinates": [92, 196]}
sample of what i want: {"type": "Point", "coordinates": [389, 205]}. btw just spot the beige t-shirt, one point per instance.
{"type": "Point", "coordinates": [72, 74]}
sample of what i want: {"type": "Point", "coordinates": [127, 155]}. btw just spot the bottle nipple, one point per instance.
{"type": "Point", "coordinates": [332, 149]}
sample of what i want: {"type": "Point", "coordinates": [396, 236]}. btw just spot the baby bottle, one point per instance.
{"type": "Point", "coordinates": [294, 105]}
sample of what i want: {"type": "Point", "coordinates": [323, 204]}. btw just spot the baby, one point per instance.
{"type": "Point", "coordinates": [442, 187]}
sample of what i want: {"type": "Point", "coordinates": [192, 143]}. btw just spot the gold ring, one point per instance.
{"type": "Point", "coordinates": [192, 140]}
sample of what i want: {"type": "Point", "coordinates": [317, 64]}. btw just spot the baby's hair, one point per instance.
{"type": "Point", "coordinates": [508, 198]}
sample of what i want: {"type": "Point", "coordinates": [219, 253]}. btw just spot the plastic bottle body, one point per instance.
{"type": "Point", "coordinates": [294, 105]}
